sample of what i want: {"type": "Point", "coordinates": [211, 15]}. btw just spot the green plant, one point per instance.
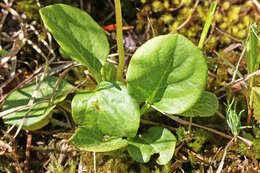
{"type": "Point", "coordinates": [252, 62]}
{"type": "Point", "coordinates": [233, 119]}
{"type": "Point", "coordinates": [167, 72]}
{"type": "Point", "coordinates": [39, 113]}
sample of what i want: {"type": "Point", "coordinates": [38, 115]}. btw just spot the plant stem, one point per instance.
{"type": "Point", "coordinates": [119, 35]}
{"type": "Point", "coordinates": [145, 108]}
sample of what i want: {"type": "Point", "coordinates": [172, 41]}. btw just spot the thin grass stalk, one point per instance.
{"type": "Point", "coordinates": [207, 24]}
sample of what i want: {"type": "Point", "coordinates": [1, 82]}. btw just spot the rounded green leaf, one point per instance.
{"type": "Point", "coordinates": [40, 113]}
{"type": "Point", "coordinates": [109, 108]}
{"type": "Point", "coordinates": [207, 105]}
{"type": "Point", "coordinates": [89, 138]}
{"type": "Point", "coordinates": [155, 140]}
{"type": "Point", "coordinates": [78, 34]}
{"type": "Point", "coordinates": [169, 72]}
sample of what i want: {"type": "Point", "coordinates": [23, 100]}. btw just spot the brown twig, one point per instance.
{"type": "Point", "coordinates": [240, 58]}
{"type": "Point", "coordinates": [5, 13]}
{"type": "Point", "coordinates": [157, 124]}
{"type": "Point", "coordinates": [228, 35]}
{"type": "Point", "coordinates": [247, 142]}
{"type": "Point", "coordinates": [27, 151]}
{"type": "Point", "coordinates": [61, 76]}
{"type": "Point", "coordinates": [189, 18]}
{"type": "Point", "coordinates": [190, 152]}
{"type": "Point", "coordinates": [5, 147]}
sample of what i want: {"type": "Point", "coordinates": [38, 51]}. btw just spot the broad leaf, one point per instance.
{"type": "Point", "coordinates": [155, 140]}
{"type": "Point", "coordinates": [256, 102]}
{"type": "Point", "coordinates": [109, 108]}
{"type": "Point", "coordinates": [78, 35]}
{"type": "Point", "coordinates": [41, 112]}
{"type": "Point", "coordinates": [169, 72]}
{"type": "Point", "coordinates": [89, 138]}
{"type": "Point", "coordinates": [207, 105]}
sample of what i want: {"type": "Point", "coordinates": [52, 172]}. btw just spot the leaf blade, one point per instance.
{"type": "Point", "coordinates": [154, 140]}
{"type": "Point", "coordinates": [108, 106]}
{"type": "Point", "coordinates": [171, 77]}
{"type": "Point", "coordinates": [89, 138]}
{"type": "Point", "coordinates": [84, 43]}
{"type": "Point", "coordinates": [206, 106]}
{"type": "Point", "coordinates": [40, 113]}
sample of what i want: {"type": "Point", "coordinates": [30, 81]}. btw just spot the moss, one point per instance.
{"type": "Point", "coordinates": [166, 4]}
{"type": "Point", "coordinates": [157, 6]}
{"type": "Point", "coordinates": [226, 5]}
{"type": "Point", "coordinates": [200, 138]}
{"type": "Point", "coordinates": [230, 19]}
{"type": "Point", "coordinates": [167, 18]}
{"type": "Point", "coordinates": [242, 34]}
{"type": "Point", "coordinates": [29, 8]}
{"type": "Point", "coordinates": [218, 17]}
{"type": "Point", "coordinates": [181, 134]}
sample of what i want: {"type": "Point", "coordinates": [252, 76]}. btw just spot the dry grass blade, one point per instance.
{"type": "Point", "coordinates": [224, 155]}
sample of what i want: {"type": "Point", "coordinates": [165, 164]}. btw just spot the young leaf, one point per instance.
{"type": "Point", "coordinates": [89, 138]}
{"type": "Point", "coordinates": [252, 61]}
{"type": "Point", "coordinates": [169, 72]}
{"type": "Point", "coordinates": [256, 102]}
{"type": "Point", "coordinates": [109, 72]}
{"type": "Point", "coordinates": [109, 108]}
{"type": "Point", "coordinates": [155, 140]}
{"type": "Point", "coordinates": [251, 52]}
{"type": "Point", "coordinates": [207, 105]}
{"type": "Point", "coordinates": [78, 34]}
{"type": "Point", "coordinates": [233, 119]}
{"type": "Point", "coordinates": [41, 112]}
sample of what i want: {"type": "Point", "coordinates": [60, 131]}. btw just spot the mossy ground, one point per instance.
{"type": "Point", "coordinates": [48, 149]}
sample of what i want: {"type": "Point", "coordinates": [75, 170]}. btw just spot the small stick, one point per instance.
{"type": "Point", "coordinates": [256, 73]}
{"type": "Point", "coordinates": [240, 58]}
{"type": "Point", "coordinates": [150, 25]}
{"type": "Point", "coordinates": [61, 76]}
{"type": "Point", "coordinates": [81, 5]}
{"type": "Point", "coordinates": [5, 13]}
{"type": "Point", "coordinates": [200, 157]}
{"type": "Point", "coordinates": [27, 152]}
{"type": "Point", "coordinates": [247, 142]}
{"type": "Point", "coordinates": [220, 167]}
{"type": "Point", "coordinates": [95, 164]}
{"type": "Point", "coordinates": [226, 34]}
{"type": "Point", "coordinates": [157, 124]}
{"type": "Point", "coordinates": [189, 18]}
{"type": "Point", "coordinates": [220, 115]}
{"type": "Point", "coordinates": [5, 147]}
{"type": "Point", "coordinates": [256, 4]}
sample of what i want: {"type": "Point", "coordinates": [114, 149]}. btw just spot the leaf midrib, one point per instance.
{"type": "Point", "coordinates": [151, 99]}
